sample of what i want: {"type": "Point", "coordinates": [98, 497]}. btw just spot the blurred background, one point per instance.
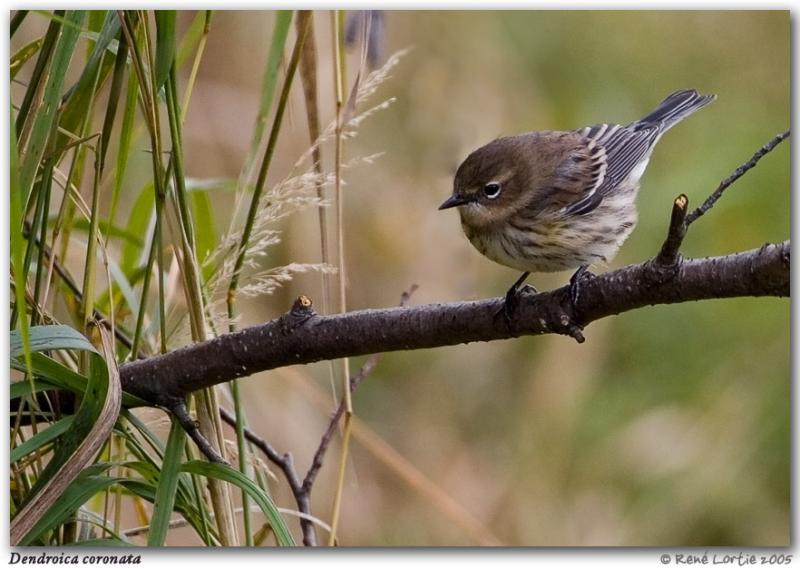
{"type": "Point", "coordinates": [670, 425]}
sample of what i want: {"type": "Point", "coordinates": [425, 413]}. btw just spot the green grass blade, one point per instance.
{"type": "Point", "coordinates": [90, 269]}
{"type": "Point", "coordinates": [55, 337]}
{"type": "Point", "coordinates": [58, 17]}
{"type": "Point", "coordinates": [78, 493]}
{"type": "Point", "coordinates": [36, 78]}
{"type": "Point", "coordinates": [52, 372]}
{"type": "Point", "coordinates": [138, 221]}
{"type": "Point", "coordinates": [76, 96]}
{"type": "Point", "coordinates": [207, 236]}
{"type": "Point", "coordinates": [126, 288]}
{"type": "Point", "coordinates": [232, 476]}
{"type": "Point", "coordinates": [188, 509]}
{"type": "Point", "coordinates": [23, 54]}
{"type": "Point", "coordinates": [149, 437]}
{"type": "Point", "coordinates": [46, 115]}
{"type": "Point", "coordinates": [165, 45]}
{"type": "Point", "coordinates": [167, 485]}
{"type": "Point", "coordinates": [125, 138]}
{"type": "Point", "coordinates": [123, 233]}
{"type": "Point", "coordinates": [96, 20]}
{"type": "Point", "coordinates": [22, 388]}
{"type": "Point", "coordinates": [283, 20]}
{"type": "Point", "coordinates": [191, 37]}
{"type": "Point", "coordinates": [58, 375]}
{"type": "Point", "coordinates": [120, 66]}
{"type": "Point", "coordinates": [41, 438]}
{"type": "Point", "coordinates": [45, 192]}
{"type": "Point", "coordinates": [18, 248]}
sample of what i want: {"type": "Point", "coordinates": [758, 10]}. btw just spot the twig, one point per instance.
{"type": "Point", "coordinates": [738, 173]}
{"type": "Point", "coordinates": [302, 490]}
{"type": "Point", "coordinates": [680, 221]}
{"type": "Point", "coordinates": [181, 412]}
{"type": "Point", "coordinates": [285, 462]}
{"type": "Point", "coordinates": [668, 255]}
{"type": "Point", "coordinates": [316, 462]}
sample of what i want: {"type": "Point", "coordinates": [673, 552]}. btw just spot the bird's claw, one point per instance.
{"type": "Point", "coordinates": [512, 301]}
{"type": "Point", "coordinates": [575, 283]}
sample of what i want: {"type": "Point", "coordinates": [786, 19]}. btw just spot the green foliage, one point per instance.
{"type": "Point", "coordinates": [45, 116]}
{"type": "Point", "coordinates": [258, 495]}
{"type": "Point", "coordinates": [55, 159]}
{"type": "Point", "coordinates": [165, 45]}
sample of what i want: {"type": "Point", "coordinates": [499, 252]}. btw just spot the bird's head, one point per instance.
{"type": "Point", "coordinates": [488, 184]}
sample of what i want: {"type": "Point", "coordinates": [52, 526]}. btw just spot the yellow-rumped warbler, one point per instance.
{"type": "Point", "coordinates": [551, 201]}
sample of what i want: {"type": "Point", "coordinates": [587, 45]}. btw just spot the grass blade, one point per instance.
{"type": "Point", "coordinates": [18, 248]}
{"type": "Point", "coordinates": [80, 92]}
{"type": "Point", "coordinates": [125, 137]}
{"type": "Point", "coordinates": [40, 439]}
{"type": "Point", "coordinates": [207, 238]}
{"type": "Point", "coordinates": [16, 20]}
{"type": "Point", "coordinates": [228, 474]}
{"type": "Point", "coordinates": [45, 117]}
{"type": "Point", "coordinates": [138, 222]}
{"type": "Point", "coordinates": [165, 45]}
{"type": "Point", "coordinates": [38, 71]}
{"type": "Point", "coordinates": [57, 337]}
{"type": "Point", "coordinates": [76, 494]}
{"type": "Point", "coordinates": [19, 389]}
{"type": "Point", "coordinates": [280, 31]}
{"type": "Point", "coordinates": [91, 426]}
{"type": "Point", "coordinates": [23, 54]}
{"type": "Point", "coordinates": [167, 485]}
{"type": "Point", "coordinates": [241, 252]}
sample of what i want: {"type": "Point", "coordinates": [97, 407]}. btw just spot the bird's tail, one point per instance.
{"type": "Point", "coordinates": [674, 109]}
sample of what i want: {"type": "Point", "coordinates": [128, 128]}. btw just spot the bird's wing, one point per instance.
{"type": "Point", "coordinates": [580, 171]}
{"type": "Point", "coordinates": [625, 149]}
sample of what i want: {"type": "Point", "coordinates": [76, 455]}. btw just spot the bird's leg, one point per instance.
{"type": "Point", "coordinates": [510, 304]}
{"type": "Point", "coordinates": [575, 283]}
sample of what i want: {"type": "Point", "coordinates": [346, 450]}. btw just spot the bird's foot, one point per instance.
{"type": "Point", "coordinates": [581, 276]}
{"type": "Point", "coordinates": [512, 301]}
{"type": "Point", "coordinates": [571, 323]}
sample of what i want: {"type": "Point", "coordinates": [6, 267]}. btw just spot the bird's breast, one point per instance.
{"type": "Point", "coordinates": [551, 242]}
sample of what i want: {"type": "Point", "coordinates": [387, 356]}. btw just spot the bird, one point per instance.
{"type": "Point", "coordinates": [549, 201]}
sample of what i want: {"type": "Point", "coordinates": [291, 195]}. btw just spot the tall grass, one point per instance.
{"type": "Point", "coordinates": [59, 126]}
{"type": "Point", "coordinates": [153, 271]}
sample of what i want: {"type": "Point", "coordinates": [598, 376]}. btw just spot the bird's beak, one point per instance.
{"type": "Point", "coordinates": [454, 201]}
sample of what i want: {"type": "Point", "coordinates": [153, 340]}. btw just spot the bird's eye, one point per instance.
{"type": "Point", "coordinates": [491, 190]}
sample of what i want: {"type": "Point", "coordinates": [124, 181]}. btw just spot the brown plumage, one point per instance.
{"type": "Point", "coordinates": [552, 201]}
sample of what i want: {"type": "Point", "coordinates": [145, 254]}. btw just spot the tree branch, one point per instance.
{"type": "Point", "coordinates": [301, 336]}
